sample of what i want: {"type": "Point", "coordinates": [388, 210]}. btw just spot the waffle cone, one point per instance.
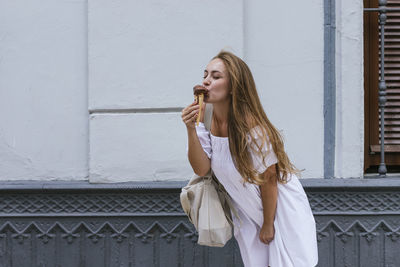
{"type": "Point", "coordinates": [200, 98]}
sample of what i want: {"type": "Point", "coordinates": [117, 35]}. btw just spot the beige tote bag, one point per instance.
{"type": "Point", "coordinates": [207, 208]}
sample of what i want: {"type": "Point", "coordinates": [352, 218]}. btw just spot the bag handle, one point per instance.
{"type": "Point", "coordinates": [208, 116]}
{"type": "Point", "coordinates": [226, 199]}
{"type": "Point", "coordinates": [207, 123]}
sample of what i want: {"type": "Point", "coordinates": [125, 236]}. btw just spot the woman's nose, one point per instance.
{"type": "Point", "coordinates": [206, 81]}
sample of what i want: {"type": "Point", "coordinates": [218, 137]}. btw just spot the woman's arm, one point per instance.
{"type": "Point", "coordinates": [269, 195]}
{"type": "Point", "coordinates": [197, 157]}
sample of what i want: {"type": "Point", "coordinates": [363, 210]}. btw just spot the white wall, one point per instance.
{"type": "Point", "coordinates": [148, 55]}
{"type": "Point", "coordinates": [143, 57]}
{"type": "Point", "coordinates": [43, 95]}
{"type": "Point", "coordinates": [349, 159]}
{"type": "Point", "coordinates": [284, 48]}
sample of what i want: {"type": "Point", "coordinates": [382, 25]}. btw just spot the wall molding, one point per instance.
{"type": "Point", "coordinates": [100, 200]}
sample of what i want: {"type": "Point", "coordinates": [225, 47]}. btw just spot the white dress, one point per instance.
{"type": "Point", "coordinates": [295, 242]}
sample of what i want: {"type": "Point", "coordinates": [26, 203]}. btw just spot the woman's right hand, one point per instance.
{"type": "Point", "coordinates": [189, 115]}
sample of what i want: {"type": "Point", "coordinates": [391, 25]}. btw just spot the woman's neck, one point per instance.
{"type": "Point", "coordinates": [220, 111]}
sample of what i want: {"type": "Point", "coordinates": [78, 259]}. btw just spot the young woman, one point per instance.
{"type": "Point", "coordinates": [246, 152]}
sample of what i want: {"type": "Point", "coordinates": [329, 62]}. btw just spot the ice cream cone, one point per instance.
{"type": "Point", "coordinates": [200, 97]}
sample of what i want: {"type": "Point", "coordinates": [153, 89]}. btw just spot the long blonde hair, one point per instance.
{"type": "Point", "coordinates": [246, 112]}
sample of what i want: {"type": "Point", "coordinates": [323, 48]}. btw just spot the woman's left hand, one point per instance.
{"type": "Point", "coordinates": [267, 233]}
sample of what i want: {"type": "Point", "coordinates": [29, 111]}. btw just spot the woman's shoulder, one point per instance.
{"type": "Point", "coordinates": [255, 129]}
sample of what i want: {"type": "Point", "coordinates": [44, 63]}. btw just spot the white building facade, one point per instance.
{"type": "Point", "coordinates": [93, 149]}
{"type": "Point", "coordinates": [93, 90]}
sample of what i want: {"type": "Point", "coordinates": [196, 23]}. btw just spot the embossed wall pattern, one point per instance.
{"type": "Point", "coordinates": [138, 226]}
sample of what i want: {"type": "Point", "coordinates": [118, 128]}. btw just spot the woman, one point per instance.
{"type": "Point", "coordinates": [246, 152]}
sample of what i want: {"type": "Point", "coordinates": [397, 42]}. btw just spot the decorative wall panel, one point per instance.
{"type": "Point", "coordinates": [143, 225]}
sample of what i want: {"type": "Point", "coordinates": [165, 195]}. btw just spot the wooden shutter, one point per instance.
{"type": "Point", "coordinates": [392, 78]}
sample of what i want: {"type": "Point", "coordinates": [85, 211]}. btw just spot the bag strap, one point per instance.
{"type": "Point", "coordinates": [207, 123]}
{"type": "Point", "coordinates": [208, 116]}
{"type": "Point", "coordinates": [226, 198]}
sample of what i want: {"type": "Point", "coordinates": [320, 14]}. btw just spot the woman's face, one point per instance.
{"type": "Point", "coordinates": [216, 81]}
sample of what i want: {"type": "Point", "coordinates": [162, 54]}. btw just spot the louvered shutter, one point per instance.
{"type": "Point", "coordinates": [392, 78]}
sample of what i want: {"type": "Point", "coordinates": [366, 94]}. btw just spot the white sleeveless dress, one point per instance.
{"type": "Point", "coordinates": [295, 242]}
